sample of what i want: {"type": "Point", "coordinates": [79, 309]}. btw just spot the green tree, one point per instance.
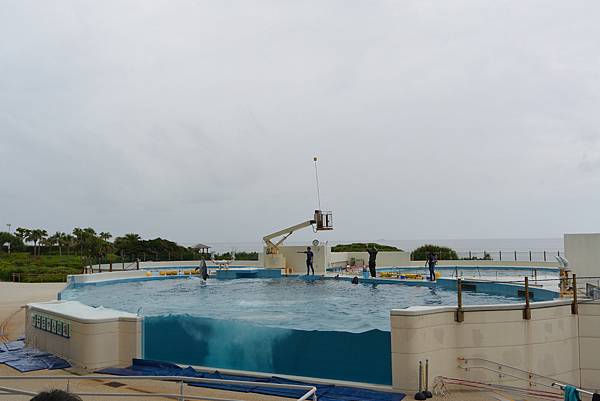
{"type": "Point", "coordinates": [129, 244]}
{"type": "Point", "coordinates": [441, 252]}
{"type": "Point", "coordinates": [87, 242]}
{"type": "Point", "coordinates": [69, 241]}
{"type": "Point", "coordinates": [58, 239]}
{"type": "Point", "coordinates": [16, 243]}
{"type": "Point", "coordinates": [362, 247]}
{"type": "Point", "coordinates": [22, 233]}
{"type": "Point", "coordinates": [104, 246]}
{"type": "Point", "coordinates": [105, 236]}
{"type": "Point", "coordinates": [35, 236]}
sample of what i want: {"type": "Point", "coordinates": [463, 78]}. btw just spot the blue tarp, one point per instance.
{"type": "Point", "coordinates": [31, 364]}
{"type": "Point", "coordinates": [325, 392]}
{"type": "Point", "coordinates": [24, 359]}
{"type": "Point", "coordinates": [15, 345]}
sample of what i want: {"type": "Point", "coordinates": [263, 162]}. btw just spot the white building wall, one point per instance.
{"type": "Point", "coordinates": [583, 253]}
{"type": "Point", "coordinates": [384, 259]}
{"type": "Point", "coordinates": [296, 261]}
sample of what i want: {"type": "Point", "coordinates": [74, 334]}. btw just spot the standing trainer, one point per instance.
{"type": "Point", "coordinates": [309, 260]}
{"type": "Point", "coordinates": [431, 262]}
{"type": "Point", "coordinates": [372, 260]}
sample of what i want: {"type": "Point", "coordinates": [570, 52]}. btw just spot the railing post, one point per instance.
{"type": "Point", "coordinates": [181, 397]}
{"type": "Point", "coordinates": [460, 314]}
{"type": "Point", "coordinates": [574, 307]}
{"type": "Point", "coordinates": [527, 310]}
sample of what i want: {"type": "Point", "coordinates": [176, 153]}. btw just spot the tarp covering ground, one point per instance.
{"type": "Point", "coordinates": [325, 392]}
{"type": "Point", "coordinates": [24, 359]}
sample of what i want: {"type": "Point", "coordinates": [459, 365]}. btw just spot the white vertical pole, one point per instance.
{"type": "Point", "coordinates": [317, 179]}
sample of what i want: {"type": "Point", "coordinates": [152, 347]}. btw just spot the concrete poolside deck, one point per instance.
{"type": "Point", "coordinates": [14, 296]}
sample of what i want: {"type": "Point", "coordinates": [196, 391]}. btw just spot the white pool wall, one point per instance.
{"type": "Point", "coordinates": [554, 343]}
{"type": "Point", "coordinates": [99, 337]}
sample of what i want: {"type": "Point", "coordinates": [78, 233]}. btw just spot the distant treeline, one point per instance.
{"type": "Point", "coordinates": [362, 247]}
{"type": "Point", "coordinates": [421, 253]}
{"type": "Point", "coordinates": [96, 247]}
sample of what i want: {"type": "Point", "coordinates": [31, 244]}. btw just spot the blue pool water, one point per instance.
{"type": "Point", "coordinates": [324, 328]}
{"type": "Point", "coordinates": [287, 302]}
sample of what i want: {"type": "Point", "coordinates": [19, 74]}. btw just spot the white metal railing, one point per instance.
{"type": "Point", "coordinates": [562, 387]}
{"type": "Point", "coordinates": [532, 379]}
{"type": "Point", "coordinates": [311, 391]}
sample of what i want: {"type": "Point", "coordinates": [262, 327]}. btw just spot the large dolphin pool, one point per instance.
{"type": "Point", "coordinates": [320, 328]}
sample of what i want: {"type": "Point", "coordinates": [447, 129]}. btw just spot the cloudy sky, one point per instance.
{"type": "Point", "coordinates": [198, 120]}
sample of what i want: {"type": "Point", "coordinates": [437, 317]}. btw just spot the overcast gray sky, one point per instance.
{"type": "Point", "coordinates": [198, 120]}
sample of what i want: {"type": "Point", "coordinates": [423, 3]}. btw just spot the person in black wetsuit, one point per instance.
{"type": "Point", "coordinates": [309, 261]}
{"type": "Point", "coordinates": [372, 260]}
{"type": "Point", "coordinates": [431, 262]}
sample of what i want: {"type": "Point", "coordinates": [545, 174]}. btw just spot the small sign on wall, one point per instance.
{"type": "Point", "coordinates": [51, 325]}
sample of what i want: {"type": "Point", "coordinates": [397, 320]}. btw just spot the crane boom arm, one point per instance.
{"type": "Point", "coordinates": [286, 232]}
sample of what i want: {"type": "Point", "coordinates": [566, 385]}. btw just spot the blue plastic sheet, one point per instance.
{"type": "Point", "coordinates": [331, 392]}
{"type": "Point", "coordinates": [15, 345]}
{"type": "Point", "coordinates": [31, 364]}
{"type": "Point", "coordinates": [24, 359]}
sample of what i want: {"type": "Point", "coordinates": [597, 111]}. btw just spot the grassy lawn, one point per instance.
{"type": "Point", "coordinates": [39, 269]}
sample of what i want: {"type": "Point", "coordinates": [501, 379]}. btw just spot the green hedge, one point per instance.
{"type": "Point", "coordinates": [441, 252]}
{"type": "Point", "coordinates": [362, 247]}
{"type": "Point", "coordinates": [47, 268]}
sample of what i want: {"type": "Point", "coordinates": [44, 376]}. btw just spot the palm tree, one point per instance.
{"type": "Point", "coordinates": [133, 238]}
{"type": "Point", "coordinates": [47, 242]}
{"type": "Point", "coordinates": [36, 236]}
{"type": "Point", "coordinates": [22, 233]}
{"type": "Point", "coordinates": [129, 244]}
{"type": "Point", "coordinates": [69, 242]}
{"type": "Point", "coordinates": [58, 239]}
{"type": "Point", "coordinates": [105, 235]}
{"type": "Point", "coordinates": [84, 239]}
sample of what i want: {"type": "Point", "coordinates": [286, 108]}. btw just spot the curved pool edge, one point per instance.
{"type": "Point", "coordinates": [494, 288]}
{"type": "Point", "coordinates": [487, 329]}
